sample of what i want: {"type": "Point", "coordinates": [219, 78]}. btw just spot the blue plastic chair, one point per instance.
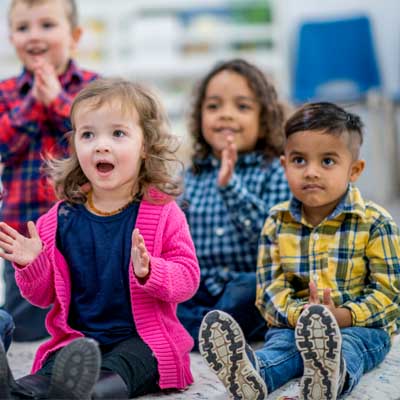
{"type": "Point", "coordinates": [335, 61]}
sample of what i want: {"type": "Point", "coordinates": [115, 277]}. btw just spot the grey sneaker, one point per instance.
{"type": "Point", "coordinates": [76, 370]}
{"type": "Point", "coordinates": [319, 341]}
{"type": "Point", "coordinates": [224, 348]}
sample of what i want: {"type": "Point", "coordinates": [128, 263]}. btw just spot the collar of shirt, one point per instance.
{"type": "Point", "coordinates": [252, 158]}
{"type": "Point", "coordinates": [351, 203]}
{"type": "Point", "coordinates": [72, 73]}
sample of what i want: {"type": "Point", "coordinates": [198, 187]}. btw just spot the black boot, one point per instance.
{"type": "Point", "coordinates": [31, 387]}
{"type": "Point", "coordinates": [110, 386]}
{"type": "Point", "coordinates": [5, 375]}
{"type": "Point", "coordinates": [76, 370]}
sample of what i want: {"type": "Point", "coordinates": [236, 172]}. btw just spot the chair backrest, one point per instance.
{"type": "Point", "coordinates": [335, 61]}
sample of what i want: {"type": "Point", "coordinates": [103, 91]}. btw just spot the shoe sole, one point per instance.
{"type": "Point", "coordinates": [222, 346]}
{"type": "Point", "coordinates": [4, 370]}
{"type": "Point", "coordinates": [319, 341]}
{"type": "Point", "coordinates": [76, 370]}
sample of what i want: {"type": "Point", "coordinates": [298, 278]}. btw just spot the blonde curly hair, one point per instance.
{"type": "Point", "coordinates": [159, 169]}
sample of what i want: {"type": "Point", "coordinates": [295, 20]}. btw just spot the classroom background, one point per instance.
{"type": "Point", "coordinates": [346, 51]}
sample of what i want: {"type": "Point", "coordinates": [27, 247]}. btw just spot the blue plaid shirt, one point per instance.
{"type": "Point", "coordinates": [226, 223]}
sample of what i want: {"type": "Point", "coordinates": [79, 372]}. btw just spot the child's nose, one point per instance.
{"type": "Point", "coordinates": [311, 171]}
{"type": "Point", "coordinates": [102, 146]}
{"type": "Point", "coordinates": [227, 112]}
{"type": "Point", "coordinates": [35, 33]}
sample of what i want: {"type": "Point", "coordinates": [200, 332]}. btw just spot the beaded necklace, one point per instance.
{"type": "Point", "coordinates": [92, 207]}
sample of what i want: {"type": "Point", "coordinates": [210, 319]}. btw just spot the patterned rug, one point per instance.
{"type": "Point", "coordinates": [383, 383]}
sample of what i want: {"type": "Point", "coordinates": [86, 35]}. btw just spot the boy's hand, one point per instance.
{"type": "Point", "coordinates": [140, 256]}
{"type": "Point", "coordinates": [342, 315]}
{"type": "Point", "coordinates": [46, 86]}
{"type": "Point", "coordinates": [228, 161]}
{"type": "Point", "coordinates": [18, 248]}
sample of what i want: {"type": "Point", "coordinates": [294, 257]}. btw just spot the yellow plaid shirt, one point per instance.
{"type": "Point", "coordinates": [355, 252]}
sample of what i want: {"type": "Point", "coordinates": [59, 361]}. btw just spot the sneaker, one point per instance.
{"type": "Point", "coordinates": [76, 370]}
{"type": "Point", "coordinates": [224, 348]}
{"type": "Point", "coordinates": [319, 341]}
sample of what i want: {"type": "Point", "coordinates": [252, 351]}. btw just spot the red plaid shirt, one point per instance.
{"type": "Point", "coordinates": [28, 132]}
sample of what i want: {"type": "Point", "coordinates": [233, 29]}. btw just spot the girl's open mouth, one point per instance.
{"type": "Point", "coordinates": [104, 167]}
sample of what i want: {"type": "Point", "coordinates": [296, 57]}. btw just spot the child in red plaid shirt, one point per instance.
{"type": "Point", "coordinates": [34, 117]}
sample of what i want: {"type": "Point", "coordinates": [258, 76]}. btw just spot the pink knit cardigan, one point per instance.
{"type": "Point", "coordinates": [174, 278]}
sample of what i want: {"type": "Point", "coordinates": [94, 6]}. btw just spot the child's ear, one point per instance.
{"type": "Point", "coordinates": [356, 169]}
{"type": "Point", "coordinates": [76, 34]}
{"type": "Point", "coordinates": [282, 159]}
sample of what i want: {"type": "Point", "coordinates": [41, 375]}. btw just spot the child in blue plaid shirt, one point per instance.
{"type": "Point", "coordinates": [328, 273]}
{"type": "Point", "coordinates": [234, 179]}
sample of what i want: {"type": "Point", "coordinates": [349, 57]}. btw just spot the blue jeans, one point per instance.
{"type": "Point", "coordinates": [280, 361]}
{"type": "Point", "coordinates": [6, 328]}
{"type": "Point", "coordinates": [28, 319]}
{"type": "Point", "coordinates": [237, 299]}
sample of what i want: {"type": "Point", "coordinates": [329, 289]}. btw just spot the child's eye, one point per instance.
{"type": "Point", "coordinates": [48, 25]}
{"type": "Point", "coordinates": [244, 106]}
{"type": "Point", "coordinates": [118, 133]}
{"type": "Point", "coordinates": [327, 162]}
{"type": "Point", "coordinates": [21, 28]}
{"type": "Point", "coordinates": [298, 160]}
{"type": "Point", "coordinates": [211, 106]}
{"type": "Point", "coordinates": [86, 135]}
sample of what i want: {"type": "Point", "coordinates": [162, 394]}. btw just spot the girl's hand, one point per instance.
{"type": "Point", "coordinates": [18, 248]}
{"type": "Point", "coordinates": [140, 256]}
{"type": "Point", "coordinates": [46, 87]}
{"type": "Point", "coordinates": [228, 161]}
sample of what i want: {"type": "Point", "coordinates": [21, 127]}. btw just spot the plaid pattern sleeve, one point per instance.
{"type": "Point", "coordinates": [276, 297]}
{"type": "Point", "coordinates": [355, 252]}
{"type": "Point", "coordinates": [29, 131]}
{"type": "Point", "coordinates": [226, 223]}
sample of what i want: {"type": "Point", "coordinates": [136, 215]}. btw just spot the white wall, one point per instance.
{"type": "Point", "coordinates": [380, 178]}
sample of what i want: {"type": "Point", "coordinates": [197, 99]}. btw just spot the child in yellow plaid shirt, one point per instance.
{"type": "Point", "coordinates": [328, 273]}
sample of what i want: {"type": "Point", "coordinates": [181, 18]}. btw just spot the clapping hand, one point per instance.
{"type": "Point", "coordinates": [46, 86]}
{"type": "Point", "coordinates": [342, 314]}
{"type": "Point", "coordinates": [17, 248]}
{"type": "Point", "coordinates": [326, 298]}
{"type": "Point", "coordinates": [140, 256]}
{"type": "Point", "coordinates": [228, 160]}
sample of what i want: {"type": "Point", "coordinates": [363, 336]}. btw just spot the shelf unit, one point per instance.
{"type": "Point", "coordinates": [171, 44]}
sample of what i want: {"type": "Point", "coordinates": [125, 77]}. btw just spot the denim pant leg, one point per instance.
{"type": "Point", "coordinates": [363, 349]}
{"type": "Point", "coordinates": [6, 328]}
{"type": "Point", "coordinates": [29, 320]}
{"type": "Point", "coordinates": [279, 359]}
{"type": "Point", "coordinates": [238, 299]}
{"type": "Point", "coordinates": [192, 312]}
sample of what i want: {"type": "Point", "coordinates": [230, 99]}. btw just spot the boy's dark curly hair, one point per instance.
{"type": "Point", "coordinates": [271, 111]}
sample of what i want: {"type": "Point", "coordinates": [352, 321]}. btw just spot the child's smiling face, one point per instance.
{"type": "Point", "coordinates": [230, 109]}
{"type": "Point", "coordinates": [43, 32]}
{"type": "Point", "coordinates": [319, 167]}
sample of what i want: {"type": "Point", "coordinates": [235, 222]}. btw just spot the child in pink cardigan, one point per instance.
{"type": "Point", "coordinates": [114, 257]}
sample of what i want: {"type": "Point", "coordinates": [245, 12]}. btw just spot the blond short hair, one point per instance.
{"type": "Point", "coordinates": [71, 8]}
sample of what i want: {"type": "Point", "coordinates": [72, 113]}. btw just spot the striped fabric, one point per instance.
{"type": "Point", "coordinates": [355, 252]}
{"type": "Point", "coordinates": [226, 223]}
